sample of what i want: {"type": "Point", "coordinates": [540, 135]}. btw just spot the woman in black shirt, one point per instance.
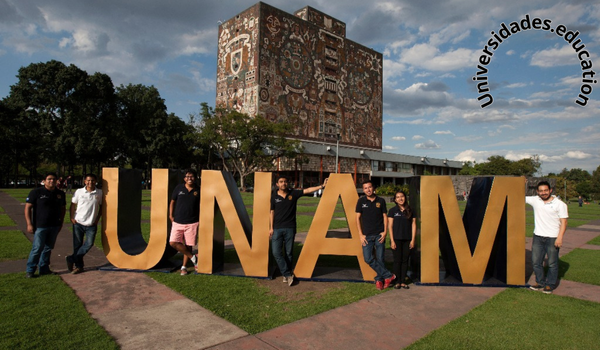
{"type": "Point", "coordinates": [403, 230]}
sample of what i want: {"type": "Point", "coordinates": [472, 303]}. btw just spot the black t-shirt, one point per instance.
{"type": "Point", "coordinates": [47, 206]}
{"type": "Point", "coordinates": [401, 226]}
{"type": "Point", "coordinates": [187, 205]}
{"type": "Point", "coordinates": [371, 215]}
{"type": "Point", "coordinates": [285, 209]}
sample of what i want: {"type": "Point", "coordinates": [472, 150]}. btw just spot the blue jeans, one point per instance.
{"type": "Point", "coordinates": [283, 249]}
{"type": "Point", "coordinates": [376, 262]}
{"type": "Point", "coordinates": [81, 247]}
{"type": "Point", "coordinates": [541, 247]}
{"type": "Point", "coordinates": [43, 243]}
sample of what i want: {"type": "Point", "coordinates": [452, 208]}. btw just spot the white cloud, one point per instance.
{"type": "Point", "coordinates": [429, 144]}
{"type": "Point", "coordinates": [563, 56]}
{"type": "Point", "coordinates": [446, 132]}
{"type": "Point", "coordinates": [398, 138]}
{"type": "Point", "coordinates": [390, 148]}
{"type": "Point", "coordinates": [417, 137]}
{"type": "Point", "coordinates": [429, 57]}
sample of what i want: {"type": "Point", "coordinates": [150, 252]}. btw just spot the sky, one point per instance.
{"type": "Point", "coordinates": [431, 49]}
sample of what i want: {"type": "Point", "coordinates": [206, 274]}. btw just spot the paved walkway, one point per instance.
{"type": "Point", "coordinates": [141, 313]}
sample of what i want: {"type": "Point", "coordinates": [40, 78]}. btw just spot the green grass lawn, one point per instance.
{"type": "Point", "coordinates": [6, 221]}
{"type": "Point", "coordinates": [595, 241]}
{"type": "Point", "coordinates": [44, 313]}
{"type": "Point", "coordinates": [15, 246]}
{"type": "Point", "coordinates": [581, 265]}
{"type": "Point", "coordinates": [520, 319]}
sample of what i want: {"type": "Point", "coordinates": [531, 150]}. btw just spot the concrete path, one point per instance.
{"type": "Point", "coordinates": [141, 313]}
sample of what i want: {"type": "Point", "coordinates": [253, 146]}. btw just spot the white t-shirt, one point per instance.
{"type": "Point", "coordinates": [547, 215]}
{"type": "Point", "coordinates": [88, 205]}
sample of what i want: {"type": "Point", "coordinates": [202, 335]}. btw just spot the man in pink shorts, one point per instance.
{"type": "Point", "coordinates": [184, 212]}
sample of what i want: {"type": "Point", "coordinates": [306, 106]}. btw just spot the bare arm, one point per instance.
{"type": "Point", "coordinates": [561, 233]}
{"type": "Point", "coordinates": [171, 209]}
{"type": "Point", "coordinates": [271, 218]}
{"type": "Point", "coordinates": [414, 233]}
{"type": "Point", "coordinates": [315, 188]}
{"type": "Point", "coordinates": [28, 209]}
{"type": "Point", "coordinates": [391, 230]}
{"type": "Point", "coordinates": [363, 238]}
{"type": "Point", "coordinates": [385, 226]}
{"type": "Point", "coordinates": [72, 212]}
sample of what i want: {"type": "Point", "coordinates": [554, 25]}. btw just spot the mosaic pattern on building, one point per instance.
{"type": "Point", "coordinates": [305, 71]}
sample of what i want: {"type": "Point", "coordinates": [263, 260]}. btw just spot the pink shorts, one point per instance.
{"type": "Point", "coordinates": [179, 231]}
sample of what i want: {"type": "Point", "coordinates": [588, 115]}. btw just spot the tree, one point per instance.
{"type": "Point", "coordinates": [151, 137]}
{"type": "Point", "coordinates": [243, 144]}
{"type": "Point", "coordinates": [496, 165]}
{"type": "Point", "coordinates": [468, 168]}
{"type": "Point", "coordinates": [525, 167]}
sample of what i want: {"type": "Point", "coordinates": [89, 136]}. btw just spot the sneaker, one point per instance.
{"type": "Point", "coordinates": [290, 280]}
{"type": "Point", "coordinates": [183, 271]}
{"type": "Point", "coordinates": [77, 270]}
{"type": "Point", "coordinates": [388, 281]}
{"type": "Point", "coordinates": [547, 290]}
{"type": "Point", "coordinates": [379, 285]}
{"type": "Point", "coordinates": [537, 287]}
{"type": "Point", "coordinates": [285, 279]}
{"type": "Point", "coordinates": [69, 263]}
{"type": "Point", "coordinates": [194, 260]}
{"type": "Point", "coordinates": [29, 275]}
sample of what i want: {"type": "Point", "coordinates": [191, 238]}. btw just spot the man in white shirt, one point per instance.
{"type": "Point", "coordinates": [550, 216]}
{"type": "Point", "coordinates": [85, 214]}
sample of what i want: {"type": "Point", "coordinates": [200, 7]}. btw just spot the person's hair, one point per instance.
{"type": "Point", "coordinates": [50, 173]}
{"type": "Point", "coordinates": [90, 175]}
{"type": "Point", "coordinates": [191, 171]}
{"type": "Point", "coordinates": [543, 183]}
{"type": "Point", "coordinates": [367, 182]}
{"type": "Point", "coordinates": [407, 208]}
{"type": "Point", "coordinates": [279, 177]}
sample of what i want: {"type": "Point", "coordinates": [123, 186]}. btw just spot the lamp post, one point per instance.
{"type": "Point", "coordinates": [337, 149]}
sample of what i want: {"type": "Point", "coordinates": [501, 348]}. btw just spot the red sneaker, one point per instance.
{"type": "Point", "coordinates": [388, 281]}
{"type": "Point", "coordinates": [379, 285]}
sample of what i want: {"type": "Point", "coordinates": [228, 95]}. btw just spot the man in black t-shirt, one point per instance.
{"type": "Point", "coordinates": [184, 212]}
{"type": "Point", "coordinates": [283, 224]}
{"type": "Point", "coordinates": [371, 219]}
{"type": "Point", "coordinates": [45, 209]}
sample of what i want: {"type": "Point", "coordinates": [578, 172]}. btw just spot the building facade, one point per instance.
{"type": "Point", "coordinates": [302, 69]}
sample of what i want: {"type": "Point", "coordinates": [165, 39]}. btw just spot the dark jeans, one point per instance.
{"type": "Point", "coordinates": [83, 240]}
{"type": "Point", "coordinates": [283, 249]}
{"type": "Point", "coordinates": [541, 247]}
{"type": "Point", "coordinates": [43, 243]}
{"type": "Point", "coordinates": [376, 262]}
{"type": "Point", "coordinates": [401, 255]}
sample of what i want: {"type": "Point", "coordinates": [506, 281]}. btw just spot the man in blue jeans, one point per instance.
{"type": "Point", "coordinates": [371, 219]}
{"type": "Point", "coordinates": [550, 216]}
{"type": "Point", "coordinates": [85, 214]}
{"type": "Point", "coordinates": [45, 209]}
{"type": "Point", "coordinates": [283, 224]}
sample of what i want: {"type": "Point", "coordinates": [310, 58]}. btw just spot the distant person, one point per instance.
{"type": "Point", "coordinates": [402, 226]}
{"type": "Point", "coordinates": [69, 182]}
{"type": "Point", "coordinates": [45, 209]}
{"type": "Point", "coordinates": [550, 219]}
{"type": "Point", "coordinates": [283, 224]}
{"type": "Point", "coordinates": [184, 212]}
{"type": "Point", "coordinates": [580, 201]}
{"type": "Point", "coordinates": [86, 209]}
{"type": "Point", "coordinates": [372, 221]}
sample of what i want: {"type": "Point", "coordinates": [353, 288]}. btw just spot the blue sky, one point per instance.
{"type": "Point", "coordinates": [431, 52]}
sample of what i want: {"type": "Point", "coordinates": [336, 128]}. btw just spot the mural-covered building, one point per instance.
{"type": "Point", "coordinates": [301, 68]}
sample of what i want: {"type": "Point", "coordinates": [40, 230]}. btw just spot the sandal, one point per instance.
{"type": "Point", "coordinates": [183, 271]}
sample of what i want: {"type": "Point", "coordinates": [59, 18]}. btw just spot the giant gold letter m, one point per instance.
{"type": "Point", "coordinates": [489, 239]}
